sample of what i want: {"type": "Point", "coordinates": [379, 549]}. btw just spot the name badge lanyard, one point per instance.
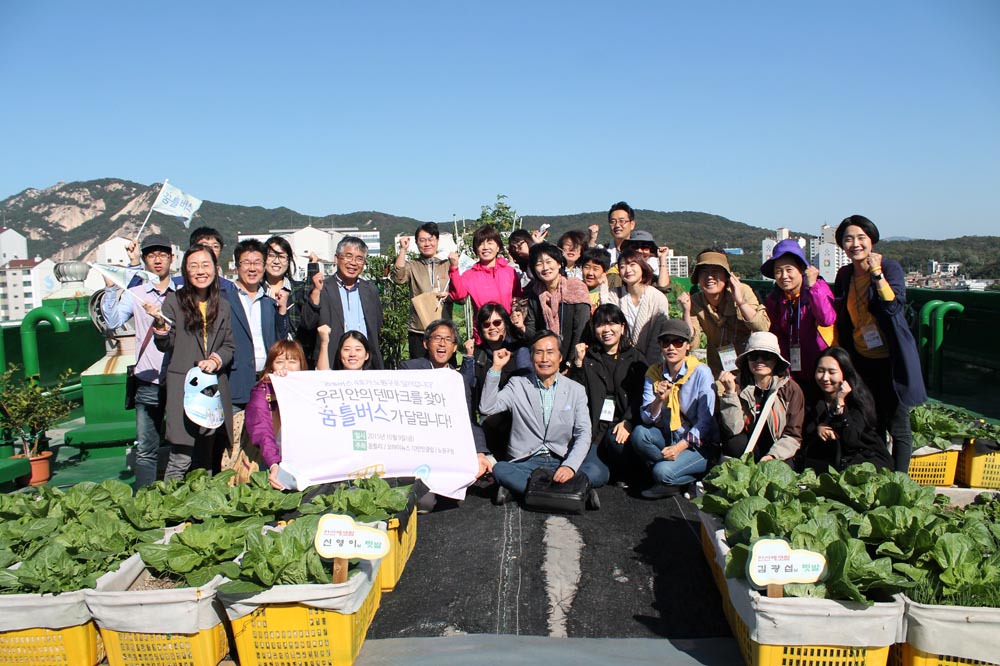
{"type": "Point", "coordinates": [794, 337]}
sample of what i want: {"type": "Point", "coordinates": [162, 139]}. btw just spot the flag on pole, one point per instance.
{"type": "Point", "coordinates": [171, 201]}
{"type": "Point", "coordinates": [121, 275]}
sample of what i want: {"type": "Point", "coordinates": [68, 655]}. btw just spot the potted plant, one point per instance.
{"type": "Point", "coordinates": [28, 410]}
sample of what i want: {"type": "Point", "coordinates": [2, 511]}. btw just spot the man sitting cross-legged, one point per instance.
{"type": "Point", "coordinates": [550, 419]}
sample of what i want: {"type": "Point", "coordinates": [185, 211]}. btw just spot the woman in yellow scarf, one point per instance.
{"type": "Point", "coordinates": [679, 435]}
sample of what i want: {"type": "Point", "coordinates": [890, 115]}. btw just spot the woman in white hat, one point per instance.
{"type": "Point", "coordinates": [763, 413]}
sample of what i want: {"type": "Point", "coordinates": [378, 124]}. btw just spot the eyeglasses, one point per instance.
{"type": "Point", "coordinates": [446, 339]}
{"type": "Point", "coordinates": [207, 266]}
{"type": "Point", "coordinates": [495, 323]}
{"type": "Point", "coordinates": [352, 258]}
{"type": "Point", "coordinates": [676, 343]}
{"type": "Point", "coordinates": [251, 264]}
{"type": "Point", "coordinates": [279, 256]}
{"type": "Point", "coordinates": [758, 356]}
{"type": "Point", "coordinates": [158, 255]}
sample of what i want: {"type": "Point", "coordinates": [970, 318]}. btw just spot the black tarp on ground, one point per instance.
{"type": "Point", "coordinates": [477, 569]}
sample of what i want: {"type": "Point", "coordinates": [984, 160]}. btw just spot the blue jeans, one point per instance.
{"type": "Point", "coordinates": [648, 444]}
{"type": "Point", "coordinates": [148, 420]}
{"type": "Point", "coordinates": [514, 475]}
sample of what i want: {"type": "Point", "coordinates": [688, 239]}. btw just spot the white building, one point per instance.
{"type": "Point", "coordinates": [12, 245]}
{"type": "Point", "coordinates": [23, 285]}
{"type": "Point", "coordinates": [824, 253]}
{"type": "Point", "coordinates": [677, 265]}
{"type": "Point", "coordinates": [323, 242]}
{"type": "Point", "coordinates": [943, 268]}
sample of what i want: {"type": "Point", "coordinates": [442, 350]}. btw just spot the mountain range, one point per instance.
{"type": "Point", "coordinates": [68, 221]}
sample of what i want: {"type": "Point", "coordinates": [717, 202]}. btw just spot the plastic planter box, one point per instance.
{"type": "Point", "coordinates": [978, 470]}
{"type": "Point", "coordinates": [934, 469]}
{"type": "Point", "coordinates": [779, 632]}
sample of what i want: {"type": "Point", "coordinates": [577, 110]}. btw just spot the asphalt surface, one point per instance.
{"type": "Point", "coordinates": [478, 569]}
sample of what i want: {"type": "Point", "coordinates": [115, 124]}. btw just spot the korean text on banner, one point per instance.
{"type": "Point", "coordinates": [342, 424]}
{"type": "Point", "coordinates": [171, 201]}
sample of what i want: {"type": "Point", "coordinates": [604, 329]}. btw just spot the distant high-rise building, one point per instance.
{"type": "Point", "coordinates": [824, 253]}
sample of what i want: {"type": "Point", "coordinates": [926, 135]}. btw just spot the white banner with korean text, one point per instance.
{"type": "Point", "coordinates": [343, 424]}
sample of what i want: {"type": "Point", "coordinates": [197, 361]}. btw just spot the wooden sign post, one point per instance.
{"type": "Point", "coordinates": [773, 564]}
{"type": "Point", "coordinates": [339, 538]}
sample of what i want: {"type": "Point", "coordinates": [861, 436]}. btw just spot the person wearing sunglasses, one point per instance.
{"type": "Point", "coordinates": [679, 435]}
{"type": "Point", "coordinates": [495, 332]}
{"type": "Point", "coordinates": [767, 392]}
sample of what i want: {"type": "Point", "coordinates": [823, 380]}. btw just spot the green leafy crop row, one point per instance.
{"type": "Point", "coordinates": [62, 541]}
{"type": "Point", "coordinates": [880, 531]}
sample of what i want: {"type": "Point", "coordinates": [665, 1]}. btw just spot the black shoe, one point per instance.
{"type": "Point", "coordinates": [502, 497]}
{"type": "Point", "coordinates": [593, 500]}
{"type": "Point", "coordinates": [660, 491]}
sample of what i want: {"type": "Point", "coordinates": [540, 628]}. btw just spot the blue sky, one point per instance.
{"type": "Point", "coordinates": [771, 113]}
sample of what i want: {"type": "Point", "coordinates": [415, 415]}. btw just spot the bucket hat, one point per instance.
{"type": "Point", "coordinates": [764, 341]}
{"type": "Point", "coordinates": [785, 247]}
{"type": "Point", "coordinates": [639, 238]}
{"type": "Point", "coordinates": [710, 258]}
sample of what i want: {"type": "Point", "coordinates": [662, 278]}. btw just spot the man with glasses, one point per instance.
{"type": "Point", "coordinates": [347, 302]}
{"type": "Point", "coordinates": [157, 256]}
{"type": "Point", "coordinates": [428, 273]}
{"type": "Point", "coordinates": [440, 341]}
{"type": "Point", "coordinates": [550, 420]}
{"type": "Point", "coordinates": [621, 222]}
{"type": "Point", "coordinates": [258, 319]}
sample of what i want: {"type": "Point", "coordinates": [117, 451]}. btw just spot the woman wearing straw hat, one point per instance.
{"type": "Point", "coordinates": [801, 311]}
{"type": "Point", "coordinates": [724, 308]}
{"type": "Point", "coordinates": [765, 415]}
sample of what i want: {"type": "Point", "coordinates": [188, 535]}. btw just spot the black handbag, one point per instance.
{"type": "Point", "coordinates": [544, 494]}
{"type": "Point", "coordinates": [130, 385]}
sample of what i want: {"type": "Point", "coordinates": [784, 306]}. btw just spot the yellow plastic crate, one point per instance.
{"type": "Point", "coordinates": [756, 654]}
{"type": "Point", "coordinates": [297, 635]}
{"type": "Point", "coordinates": [73, 646]}
{"type": "Point", "coordinates": [401, 543]}
{"type": "Point", "coordinates": [906, 655]}
{"type": "Point", "coordinates": [978, 470]}
{"type": "Point", "coordinates": [936, 469]}
{"type": "Point", "coordinates": [206, 648]}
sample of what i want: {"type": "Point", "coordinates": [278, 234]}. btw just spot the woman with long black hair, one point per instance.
{"type": "Point", "coordinates": [844, 430]}
{"type": "Point", "coordinates": [194, 327]}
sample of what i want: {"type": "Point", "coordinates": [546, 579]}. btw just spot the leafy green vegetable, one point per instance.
{"type": "Point", "coordinates": [367, 500]}
{"type": "Point", "coordinates": [285, 557]}
{"type": "Point", "coordinates": [880, 531]}
{"type": "Point", "coordinates": [936, 426]}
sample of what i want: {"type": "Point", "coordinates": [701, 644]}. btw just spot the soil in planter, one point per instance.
{"type": "Point", "coordinates": [147, 581]}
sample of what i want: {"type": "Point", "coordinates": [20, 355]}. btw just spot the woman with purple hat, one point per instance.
{"type": "Point", "coordinates": [801, 311]}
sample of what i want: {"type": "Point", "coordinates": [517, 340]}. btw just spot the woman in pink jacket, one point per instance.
{"type": "Point", "coordinates": [801, 311]}
{"type": "Point", "coordinates": [491, 280]}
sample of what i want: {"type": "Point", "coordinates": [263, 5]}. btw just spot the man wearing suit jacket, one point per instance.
{"type": "Point", "coordinates": [258, 320]}
{"type": "Point", "coordinates": [347, 303]}
{"type": "Point", "coordinates": [550, 419]}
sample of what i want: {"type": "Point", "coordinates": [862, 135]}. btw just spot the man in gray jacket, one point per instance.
{"type": "Point", "coordinates": [551, 420]}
